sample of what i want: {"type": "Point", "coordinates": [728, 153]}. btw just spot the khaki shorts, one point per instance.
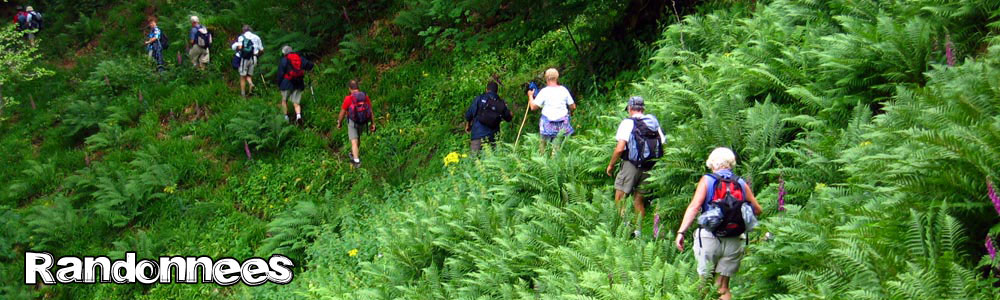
{"type": "Point", "coordinates": [198, 55]}
{"type": "Point", "coordinates": [717, 255]}
{"type": "Point", "coordinates": [247, 65]}
{"type": "Point", "coordinates": [292, 95]}
{"type": "Point", "coordinates": [353, 132]}
{"type": "Point", "coordinates": [629, 178]}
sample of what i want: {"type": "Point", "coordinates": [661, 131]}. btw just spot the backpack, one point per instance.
{"type": "Point", "coordinates": [203, 38]}
{"type": "Point", "coordinates": [34, 20]}
{"type": "Point", "coordinates": [163, 40]}
{"type": "Point", "coordinates": [360, 110]}
{"type": "Point", "coordinates": [246, 52]}
{"type": "Point", "coordinates": [490, 112]}
{"type": "Point", "coordinates": [296, 70]}
{"type": "Point", "coordinates": [644, 145]}
{"type": "Point", "coordinates": [726, 217]}
{"type": "Point", "coordinates": [22, 20]}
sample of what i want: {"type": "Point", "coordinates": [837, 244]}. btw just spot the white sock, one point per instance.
{"type": "Point", "coordinates": [298, 116]}
{"type": "Point", "coordinates": [286, 117]}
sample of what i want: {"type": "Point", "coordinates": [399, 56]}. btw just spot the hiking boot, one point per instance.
{"type": "Point", "coordinates": [356, 163]}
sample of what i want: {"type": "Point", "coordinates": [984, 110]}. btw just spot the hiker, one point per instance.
{"type": "Point", "coordinates": [199, 43]}
{"type": "Point", "coordinates": [32, 23]}
{"type": "Point", "coordinates": [21, 18]}
{"type": "Point", "coordinates": [248, 48]}
{"type": "Point", "coordinates": [482, 119]}
{"type": "Point", "coordinates": [726, 203]}
{"type": "Point", "coordinates": [155, 44]}
{"type": "Point", "coordinates": [291, 80]}
{"type": "Point", "coordinates": [357, 107]}
{"type": "Point", "coordinates": [556, 103]}
{"type": "Point", "coordinates": [640, 142]}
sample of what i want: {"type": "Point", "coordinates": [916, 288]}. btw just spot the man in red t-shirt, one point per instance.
{"type": "Point", "coordinates": [358, 112]}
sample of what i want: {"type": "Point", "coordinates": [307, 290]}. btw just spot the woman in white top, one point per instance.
{"type": "Point", "coordinates": [556, 104]}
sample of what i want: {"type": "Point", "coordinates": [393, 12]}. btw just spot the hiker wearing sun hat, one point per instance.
{"type": "Point", "coordinates": [32, 23]}
{"type": "Point", "coordinates": [640, 143]}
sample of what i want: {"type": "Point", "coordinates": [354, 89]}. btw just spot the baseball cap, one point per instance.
{"type": "Point", "coordinates": [635, 102]}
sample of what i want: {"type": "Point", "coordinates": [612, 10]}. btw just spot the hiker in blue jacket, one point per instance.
{"type": "Point", "coordinates": [483, 117]}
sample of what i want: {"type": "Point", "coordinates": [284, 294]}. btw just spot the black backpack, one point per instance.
{"type": "Point", "coordinates": [36, 20]}
{"type": "Point", "coordinates": [360, 110]}
{"type": "Point", "coordinates": [203, 40]}
{"type": "Point", "coordinates": [490, 112]}
{"type": "Point", "coordinates": [163, 40]}
{"type": "Point", "coordinates": [729, 197]}
{"type": "Point", "coordinates": [247, 51]}
{"type": "Point", "coordinates": [644, 146]}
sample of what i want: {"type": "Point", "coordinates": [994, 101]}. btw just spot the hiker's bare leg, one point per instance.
{"type": "Point", "coordinates": [250, 82]}
{"type": "Point", "coordinates": [243, 86]}
{"type": "Point", "coordinates": [298, 109]}
{"type": "Point", "coordinates": [619, 195]}
{"type": "Point", "coordinates": [355, 149]}
{"type": "Point", "coordinates": [284, 105]}
{"type": "Point", "coordinates": [640, 209]}
{"type": "Point", "coordinates": [723, 283]}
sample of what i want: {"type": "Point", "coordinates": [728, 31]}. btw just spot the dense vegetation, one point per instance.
{"type": "Point", "coordinates": [868, 129]}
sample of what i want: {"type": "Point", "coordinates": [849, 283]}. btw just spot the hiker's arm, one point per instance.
{"type": "Point", "coordinates": [470, 113]}
{"type": "Point", "coordinates": [619, 149]}
{"type": "Point", "coordinates": [340, 118]}
{"type": "Point", "coordinates": [507, 115]}
{"type": "Point", "coordinates": [694, 206]}
{"type": "Point", "coordinates": [371, 115]}
{"type": "Point", "coordinates": [572, 107]}
{"type": "Point", "coordinates": [531, 100]}
{"type": "Point", "coordinates": [757, 210]}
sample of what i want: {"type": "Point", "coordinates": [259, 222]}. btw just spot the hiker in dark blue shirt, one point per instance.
{"type": "Point", "coordinates": [484, 116]}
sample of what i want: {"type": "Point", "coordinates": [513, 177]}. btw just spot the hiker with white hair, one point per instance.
{"type": "Point", "coordinates": [728, 211]}
{"type": "Point", "coordinates": [291, 80]}
{"type": "Point", "coordinates": [556, 104]}
{"type": "Point", "coordinates": [199, 42]}
{"type": "Point", "coordinates": [248, 47]}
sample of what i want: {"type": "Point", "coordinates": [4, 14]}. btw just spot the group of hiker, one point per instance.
{"type": "Point", "coordinates": [727, 205]}
{"type": "Point", "coordinates": [723, 204]}
{"type": "Point", "coordinates": [28, 21]}
{"type": "Point", "coordinates": [290, 78]}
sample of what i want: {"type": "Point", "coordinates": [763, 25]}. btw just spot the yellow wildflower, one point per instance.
{"type": "Point", "coordinates": [263, 177]}
{"type": "Point", "coordinates": [308, 187]}
{"type": "Point", "coordinates": [820, 186]}
{"type": "Point", "coordinates": [352, 253]}
{"type": "Point", "coordinates": [170, 189]}
{"type": "Point", "coordinates": [865, 144]}
{"type": "Point", "coordinates": [451, 158]}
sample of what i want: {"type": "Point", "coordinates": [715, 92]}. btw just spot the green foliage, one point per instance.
{"type": "Point", "coordinates": [259, 126]}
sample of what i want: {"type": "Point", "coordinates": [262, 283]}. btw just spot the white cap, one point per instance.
{"type": "Point", "coordinates": [29, 9]}
{"type": "Point", "coordinates": [194, 19]}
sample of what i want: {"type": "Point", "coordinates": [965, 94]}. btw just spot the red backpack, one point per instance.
{"type": "Point", "coordinates": [729, 197]}
{"type": "Point", "coordinates": [296, 71]}
{"type": "Point", "coordinates": [360, 110]}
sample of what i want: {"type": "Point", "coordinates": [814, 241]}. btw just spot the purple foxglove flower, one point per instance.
{"type": "Point", "coordinates": [656, 226]}
{"type": "Point", "coordinates": [993, 195]}
{"type": "Point", "coordinates": [989, 247]}
{"type": "Point", "coordinates": [781, 194]}
{"type": "Point", "coordinates": [140, 97]}
{"type": "Point", "coordinates": [246, 147]}
{"type": "Point", "coordinates": [949, 51]}
{"type": "Point", "coordinates": [179, 61]}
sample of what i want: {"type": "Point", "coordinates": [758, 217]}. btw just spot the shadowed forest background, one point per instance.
{"type": "Point", "coordinates": [869, 130]}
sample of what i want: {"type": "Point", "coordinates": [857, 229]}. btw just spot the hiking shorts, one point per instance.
{"type": "Point", "coordinates": [720, 255]}
{"type": "Point", "coordinates": [629, 178]}
{"type": "Point", "coordinates": [198, 55]}
{"type": "Point", "coordinates": [292, 95]}
{"type": "Point", "coordinates": [353, 132]}
{"type": "Point", "coordinates": [247, 65]}
{"type": "Point", "coordinates": [549, 129]}
{"type": "Point", "coordinates": [476, 145]}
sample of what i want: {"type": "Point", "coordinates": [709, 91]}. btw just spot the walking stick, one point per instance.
{"type": "Point", "coordinates": [525, 119]}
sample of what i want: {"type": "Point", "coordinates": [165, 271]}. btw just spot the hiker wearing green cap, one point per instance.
{"type": "Point", "coordinates": [640, 143]}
